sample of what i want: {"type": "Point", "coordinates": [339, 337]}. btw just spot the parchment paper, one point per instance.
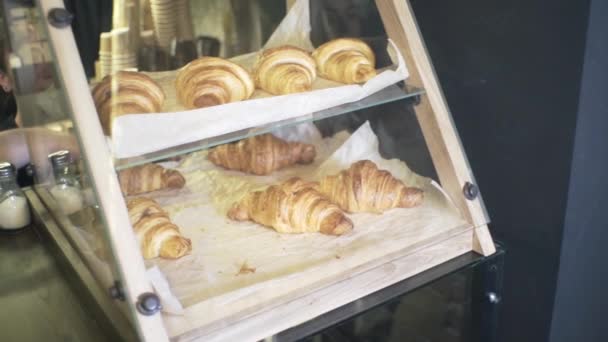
{"type": "Point", "coordinates": [229, 256]}
{"type": "Point", "coordinates": [137, 134]}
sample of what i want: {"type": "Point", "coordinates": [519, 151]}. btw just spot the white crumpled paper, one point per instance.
{"type": "Point", "coordinates": [138, 134]}
{"type": "Point", "coordinates": [228, 257]}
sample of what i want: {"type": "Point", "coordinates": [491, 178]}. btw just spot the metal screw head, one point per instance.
{"type": "Point", "coordinates": [60, 17]}
{"type": "Point", "coordinates": [116, 291]}
{"type": "Point", "coordinates": [148, 304]}
{"type": "Point", "coordinates": [470, 190]}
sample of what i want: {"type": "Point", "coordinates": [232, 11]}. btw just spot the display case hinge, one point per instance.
{"type": "Point", "coordinates": [116, 291]}
{"type": "Point", "coordinates": [60, 17]}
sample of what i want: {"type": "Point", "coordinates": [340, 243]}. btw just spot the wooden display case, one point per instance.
{"type": "Point", "coordinates": [272, 304]}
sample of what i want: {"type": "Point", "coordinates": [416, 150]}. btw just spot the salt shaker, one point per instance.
{"type": "Point", "coordinates": [14, 210]}
{"type": "Point", "coordinates": [67, 190]}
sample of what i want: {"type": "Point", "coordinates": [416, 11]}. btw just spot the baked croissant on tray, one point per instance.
{"type": "Point", "coordinates": [261, 154]}
{"type": "Point", "coordinates": [210, 81]}
{"type": "Point", "coordinates": [157, 236]}
{"type": "Point", "coordinates": [149, 177]}
{"type": "Point", "coordinates": [126, 92]}
{"type": "Point", "coordinates": [345, 60]}
{"type": "Point", "coordinates": [292, 207]}
{"type": "Point", "coordinates": [284, 70]}
{"type": "Point", "coordinates": [365, 188]}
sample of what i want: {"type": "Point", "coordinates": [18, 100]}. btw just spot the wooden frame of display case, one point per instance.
{"type": "Point", "coordinates": [445, 149]}
{"type": "Point", "coordinates": [435, 120]}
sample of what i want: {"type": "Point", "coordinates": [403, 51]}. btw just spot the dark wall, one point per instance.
{"type": "Point", "coordinates": [511, 73]}
{"type": "Point", "coordinates": [581, 299]}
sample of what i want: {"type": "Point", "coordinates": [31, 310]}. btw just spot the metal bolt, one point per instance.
{"type": "Point", "coordinates": [493, 298]}
{"type": "Point", "coordinates": [148, 304]}
{"type": "Point", "coordinates": [116, 291]}
{"type": "Point", "coordinates": [470, 191]}
{"type": "Point", "coordinates": [60, 17]}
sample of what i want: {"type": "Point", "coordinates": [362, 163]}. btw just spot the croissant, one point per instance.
{"type": "Point", "coordinates": [285, 70]}
{"type": "Point", "coordinates": [159, 237]}
{"type": "Point", "coordinates": [345, 60]}
{"type": "Point", "coordinates": [210, 81]}
{"type": "Point", "coordinates": [156, 234]}
{"type": "Point", "coordinates": [261, 155]}
{"type": "Point", "coordinates": [292, 207]}
{"type": "Point", "coordinates": [365, 188]}
{"type": "Point", "coordinates": [142, 206]}
{"type": "Point", "coordinates": [147, 178]}
{"type": "Point", "coordinates": [126, 92]}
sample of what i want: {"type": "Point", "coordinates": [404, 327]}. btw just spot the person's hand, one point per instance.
{"type": "Point", "coordinates": [33, 145]}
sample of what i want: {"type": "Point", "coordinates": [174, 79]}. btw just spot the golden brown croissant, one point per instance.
{"type": "Point", "coordinates": [142, 206]}
{"type": "Point", "coordinates": [156, 234]}
{"type": "Point", "coordinates": [365, 188]}
{"type": "Point", "coordinates": [210, 81]}
{"type": "Point", "coordinates": [149, 177]}
{"type": "Point", "coordinates": [345, 60]}
{"type": "Point", "coordinates": [126, 92]}
{"type": "Point", "coordinates": [285, 70]}
{"type": "Point", "coordinates": [159, 237]}
{"type": "Point", "coordinates": [261, 155]}
{"type": "Point", "coordinates": [292, 207]}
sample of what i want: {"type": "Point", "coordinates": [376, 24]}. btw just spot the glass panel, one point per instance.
{"type": "Point", "coordinates": [61, 179]}
{"type": "Point", "coordinates": [438, 312]}
{"type": "Point", "coordinates": [206, 28]}
{"type": "Point", "coordinates": [361, 18]}
{"type": "Point", "coordinates": [390, 94]}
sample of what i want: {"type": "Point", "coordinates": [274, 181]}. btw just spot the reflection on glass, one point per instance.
{"type": "Point", "coordinates": [61, 181]}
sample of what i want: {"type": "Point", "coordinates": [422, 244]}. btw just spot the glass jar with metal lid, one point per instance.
{"type": "Point", "coordinates": [67, 190]}
{"type": "Point", "coordinates": [14, 210]}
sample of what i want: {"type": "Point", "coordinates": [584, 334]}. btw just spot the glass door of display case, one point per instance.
{"type": "Point", "coordinates": [42, 60]}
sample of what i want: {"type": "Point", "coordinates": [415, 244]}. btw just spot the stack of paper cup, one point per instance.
{"type": "Point", "coordinates": [184, 20]}
{"type": "Point", "coordinates": [164, 17]}
{"type": "Point", "coordinates": [123, 56]}
{"type": "Point", "coordinates": [98, 75]}
{"type": "Point", "coordinates": [105, 54]}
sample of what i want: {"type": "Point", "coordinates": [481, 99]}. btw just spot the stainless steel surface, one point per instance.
{"type": "Point", "coordinates": [38, 303]}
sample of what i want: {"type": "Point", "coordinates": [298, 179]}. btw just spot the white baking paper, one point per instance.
{"type": "Point", "coordinates": [242, 257]}
{"type": "Point", "coordinates": [138, 134]}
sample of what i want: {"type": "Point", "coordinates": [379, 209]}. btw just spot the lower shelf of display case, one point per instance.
{"type": "Point", "coordinates": [282, 304]}
{"type": "Point", "coordinates": [386, 95]}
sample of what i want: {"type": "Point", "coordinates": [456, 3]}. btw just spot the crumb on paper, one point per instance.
{"type": "Point", "coordinates": [338, 256]}
{"type": "Point", "coordinates": [245, 269]}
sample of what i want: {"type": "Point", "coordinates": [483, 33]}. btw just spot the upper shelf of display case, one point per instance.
{"type": "Point", "coordinates": [386, 95]}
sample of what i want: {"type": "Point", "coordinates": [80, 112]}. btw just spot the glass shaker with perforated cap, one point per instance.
{"type": "Point", "coordinates": [67, 190]}
{"type": "Point", "coordinates": [14, 209]}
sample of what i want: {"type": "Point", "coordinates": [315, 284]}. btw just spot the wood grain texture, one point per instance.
{"type": "Point", "coordinates": [306, 307]}
{"type": "Point", "coordinates": [434, 116]}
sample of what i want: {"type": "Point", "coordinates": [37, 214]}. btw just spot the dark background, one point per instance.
{"type": "Point", "coordinates": [535, 130]}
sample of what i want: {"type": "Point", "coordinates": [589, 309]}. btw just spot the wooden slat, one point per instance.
{"type": "Point", "coordinates": [302, 309]}
{"type": "Point", "coordinates": [434, 117]}
{"type": "Point", "coordinates": [289, 3]}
